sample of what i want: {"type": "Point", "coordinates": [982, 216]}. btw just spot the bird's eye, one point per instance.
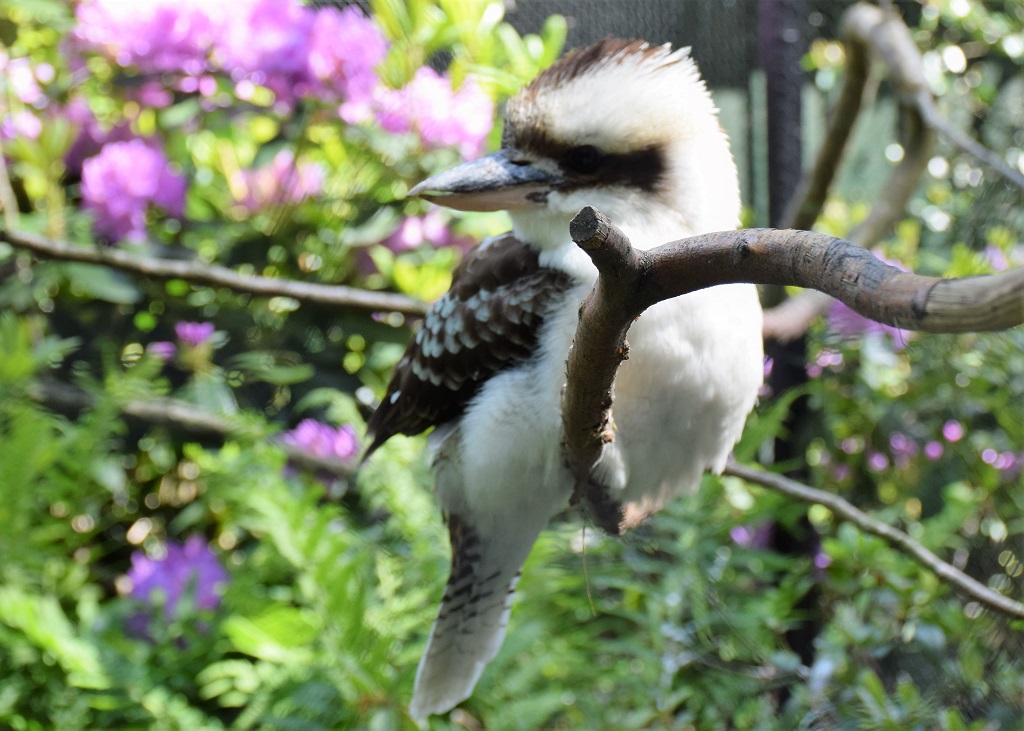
{"type": "Point", "coordinates": [583, 159]}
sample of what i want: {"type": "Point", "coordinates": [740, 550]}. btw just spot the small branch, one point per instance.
{"type": "Point", "coordinates": [971, 146]}
{"type": "Point", "coordinates": [179, 415]}
{"type": "Point", "coordinates": [201, 273]}
{"type": "Point", "coordinates": [895, 537]}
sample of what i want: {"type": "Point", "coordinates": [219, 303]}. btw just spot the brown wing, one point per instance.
{"type": "Point", "coordinates": [489, 320]}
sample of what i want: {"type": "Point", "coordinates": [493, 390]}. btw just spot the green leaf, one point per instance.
{"type": "Point", "coordinates": [44, 623]}
{"type": "Point", "coordinates": [279, 634]}
{"type": "Point", "coordinates": [93, 281]}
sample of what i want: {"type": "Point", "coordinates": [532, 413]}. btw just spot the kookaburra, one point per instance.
{"type": "Point", "coordinates": [631, 130]}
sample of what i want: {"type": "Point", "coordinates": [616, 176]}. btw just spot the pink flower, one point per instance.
{"type": "Point", "coordinates": [933, 450]}
{"type": "Point", "coordinates": [877, 462]}
{"type": "Point", "coordinates": [267, 43]}
{"type": "Point", "coordinates": [415, 231]}
{"type": "Point", "coordinates": [194, 333]}
{"type": "Point", "coordinates": [446, 118]}
{"type": "Point", "coordinates": [323, 440]}
{"type": "Point", "coordinates": [344, 51]}
{"type": "Point", "coordinates": [282, 182]}
{"type": "Point", "coordinates": [162, 349]}
{"type": "Point", "coordinates": [953, 431]}
{"type": "Point", "coordinates": [120, 184]}
{"type": "Point", "coordinates": [21, 123]}
{"type": "Point", "coordinates": [154, 36]}
{"type": "Point", "coordinates": [849, 324]}
{"type": "Point", "coordinates": [20, 80]}
{"type": "Point", "coordinates": [91, 134]}
{"type": "Point", "coordinates": [428, 105]}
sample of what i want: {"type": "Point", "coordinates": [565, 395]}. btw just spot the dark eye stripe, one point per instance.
{"type": "Point", "coordinates": [644, 168]}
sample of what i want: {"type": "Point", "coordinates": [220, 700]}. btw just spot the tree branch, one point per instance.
{"type": "Point", "coordinates": [630, 281]}
{"type": "Point", "coordinates": [871, 32]}
{"type": "Point", "coordinates": [201, 273]}
{"type": "Point", "coordinates": [895, 537]}
{"type": "Point", "coordinates": [179, 415]}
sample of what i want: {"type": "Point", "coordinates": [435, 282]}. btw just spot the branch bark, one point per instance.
{"type": "Point", "coordinates": [201, 273]}
{"type": "Point", "coordinates": [630, 281]}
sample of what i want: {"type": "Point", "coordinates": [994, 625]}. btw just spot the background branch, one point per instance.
{"type": "Point", "coordinates": [201, 273]}
{"type": "Point", "coordinates": [870, 32]}
{"type": "Point", "coordinates": [178, 415]}
{"type": "Point", "coordinates": [846, 511]}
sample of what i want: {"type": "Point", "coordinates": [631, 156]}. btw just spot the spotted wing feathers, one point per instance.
{"type": "Point", "coordinates": [489, 320]}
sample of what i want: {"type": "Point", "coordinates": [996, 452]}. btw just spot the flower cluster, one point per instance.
{"type": "Point", "coordinates": [281, 45]}
{"type": "Point", "coordinates": [190, 570]}
{"type": "Point", "coordinates": [428, 105]}
{"type": "Point", "coordinates": [294, 51]}
{"type": "Point", "coordinates": [122, 181]}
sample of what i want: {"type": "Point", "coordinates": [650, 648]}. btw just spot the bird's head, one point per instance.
{"type": "Point", "coordinates": [622, 126]}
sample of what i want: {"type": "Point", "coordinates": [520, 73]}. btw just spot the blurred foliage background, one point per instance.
{"type": "Point", "coordinates": [160, 572]}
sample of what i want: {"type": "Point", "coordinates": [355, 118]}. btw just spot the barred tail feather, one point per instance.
{"type": "Point", "coordinates": [471, 621]}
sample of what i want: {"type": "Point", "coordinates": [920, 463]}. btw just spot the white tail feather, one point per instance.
{"type": "Point", "coordinates": [471, 621]}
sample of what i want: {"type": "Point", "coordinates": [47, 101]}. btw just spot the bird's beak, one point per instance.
{"type": "Point", "coordinates": [498, 182]}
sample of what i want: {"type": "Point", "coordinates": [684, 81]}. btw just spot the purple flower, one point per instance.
{"type": "Point", "coordinates": [415, 231]}
{"type": "Point", "coordinates": [323, 440]}
{"type": "Point", "coordinates": [120, 183]}
{"type": "Point", "coordinates": [752, 537]}
{"type": "Point", "coordinates": [428, 105]}
{"type": "Point", "coordinates": [21, 123]}
{"type": "Point", "coordinates": [21, 80]}
{"type": "Point", "coordinates": [91, 134]}
{"type": "Point", "coordinates": [344, 51]}
{"type": "Point", "coordinates": [282, 182]}
{"type": "Point", "coordinates": [877, 462]}
{"type": "Point", "coordinates": [194, 333]}
{"type": "Point", "coordinates": [953, 431]}
{"type": "Point", "coordinates": [826, 358]}
{"type": "Point", "coordinates": [190, 569]}
{"type": "Point", "coordinates": [155, 36]}
{"type": "Point", "coordinates": [162, 350]}
{"type": "Point", "coordinates": [267, 43]}
{"type": "Point", "coordinates": [849, 324]}
{"type": "Point", "coordinates": [446, 118]}
{"type": "Point", "coordinates": [841, 471]}
{"type": "Point", "coordinates": [903, 448]}
{"type": "Point", "coordinates": [933, 450]}
{"type": "Point", "coordinates": [997, 258]}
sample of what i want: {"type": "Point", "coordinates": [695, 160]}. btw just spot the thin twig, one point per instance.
{"type": "Point", "coordinates": [895, 537]}
{"type": "Point", "coordinates": [201, 273]}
